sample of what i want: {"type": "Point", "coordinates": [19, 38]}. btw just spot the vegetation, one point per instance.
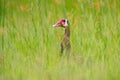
{"type": "Point", "coordinates": [30, 46]}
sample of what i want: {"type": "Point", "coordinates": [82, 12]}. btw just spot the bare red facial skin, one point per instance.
{"type": "Point", "coordinates": [60, 23]}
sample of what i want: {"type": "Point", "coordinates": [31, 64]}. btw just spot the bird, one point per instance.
{"type": "Point", "coordinates": [65, 43]}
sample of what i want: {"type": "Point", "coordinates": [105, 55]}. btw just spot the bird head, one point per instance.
{"type": "Point", "coordinates": [62, 23]}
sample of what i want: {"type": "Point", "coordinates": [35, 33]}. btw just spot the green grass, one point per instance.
{"type": "Point", "coordinates": [30, 46]}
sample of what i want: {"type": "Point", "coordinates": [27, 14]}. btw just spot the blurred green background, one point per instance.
{"type": "Point", "coordinates": [30, 46]}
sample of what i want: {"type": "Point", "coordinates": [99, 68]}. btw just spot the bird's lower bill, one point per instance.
{"type": "Point", "coordinates": [57, 25]}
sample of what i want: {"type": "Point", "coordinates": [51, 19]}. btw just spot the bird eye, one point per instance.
{"type": "Point", "coordinates": [63, 20]}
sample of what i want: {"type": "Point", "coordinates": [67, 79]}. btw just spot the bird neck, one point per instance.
{"type": "Point", "coordinates": [67, 31]}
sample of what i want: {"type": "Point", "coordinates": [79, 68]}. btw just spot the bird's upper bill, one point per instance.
{"type": "Point", "coordinates": [61, 23]}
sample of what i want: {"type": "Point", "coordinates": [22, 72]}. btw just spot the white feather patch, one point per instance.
{"type": "Point", "coordinates": [66, 22]}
